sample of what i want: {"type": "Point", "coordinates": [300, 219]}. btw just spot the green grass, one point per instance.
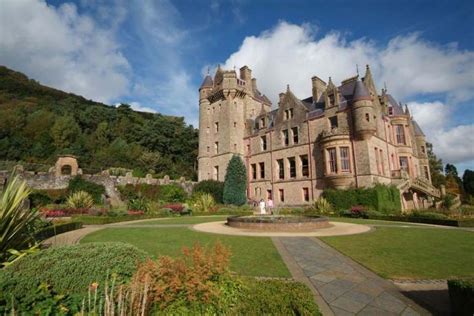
{"type": "Point", "coordinates": [369, 221]}
{"type": "Point", "coordinates": [413, 253]}
{"type": "Point", "coordinates": [252, 256]}
{"type": "Point", "coordinates": [182, 220]}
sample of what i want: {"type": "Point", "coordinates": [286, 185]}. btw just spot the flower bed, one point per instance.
{"type": "Point", "coordinates": [286, 223]}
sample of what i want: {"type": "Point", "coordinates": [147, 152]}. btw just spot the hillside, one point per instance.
{"type": "Point", "coordinates": [37, 123]}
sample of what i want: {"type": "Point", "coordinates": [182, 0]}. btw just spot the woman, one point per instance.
{"type": "Point", "coordinates": [262, 207]}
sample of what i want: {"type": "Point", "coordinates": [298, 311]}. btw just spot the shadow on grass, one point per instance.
{"type": "Point", "coordinates": [435, 301]}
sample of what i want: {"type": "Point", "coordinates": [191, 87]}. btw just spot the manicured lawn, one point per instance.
{"type": "Point", "coordinates": [369, 221]}
{"type": "Point", "coordinates": [253, 256]}
{"type": "Point", "coordinates": [182, 220]}
{"type": "Point", "coordinates": [418, 253]}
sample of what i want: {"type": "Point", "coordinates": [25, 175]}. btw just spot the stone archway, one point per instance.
{"type": "Point", "coordinates": [66, 166]}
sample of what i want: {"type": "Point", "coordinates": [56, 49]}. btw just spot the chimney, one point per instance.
{"type": "Point", "coordinates": [246, 74]}
{"type": "Point", "coordinates": [254, 84]}
{"type": "Point", "coordinates": [319, 86]}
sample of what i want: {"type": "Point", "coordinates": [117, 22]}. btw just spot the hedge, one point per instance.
{"type": "Point", "coordinates": [424, 220]}
{"type": "Point", "coordinates": [100, 220]}
{"type": "Point", "coordinates": [67, 270]}
{"type": "Point", "coordinates": [44, 197]}
{"type": "Point", "coordinates": [381, 198]}
{"type": "Point", "coordinates": [213, 187]}
{"type": "Point", "coordinates": [165, 192]}
{"type": "Point", "coordinates": [461, 294]}
{"type": "Point", "coordinates": [94, 189]}
{"type": "Point", "coordinates": [57, 229]}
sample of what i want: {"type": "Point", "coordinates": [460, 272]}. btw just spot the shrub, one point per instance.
{"type": "Point", "coordinates": [448, 201]}
{"type": "Point", "coordinates": [66, 270]}
{"type": "Point", "coordinates": [204, 203]}
{"type": "Point", "coordinates": [80, 199]}
{"type": "Point", "coordinates": [276, 297]}
{"type": "Point", "coordinates": [235, 184]}
{"type": "Point", "coordinates": [172, 193]}
{"type": "Point", "coordinates": [213, 187]}
{"type": "Point", "coordinates": [175, 208]}
{"type": "Point", "coordinates": [16, 222]}
{"type": "Point", "coordinates": [431, 215]}
{"type": "Point", "coordinates": [40, 198]}
{"type": "Point", "coordinates": [167, 192]}
{"type": "Point", "coordinates": [138, 204]}
{"type": "Point", "coordinates": [461, 294]}
{"type": "Point", "coordinates": [54, 230]}
{"type": "Point", "coordinates": [135, 212]}
{"type": "Point", "coordinates": [320, 206]}
{"type": "Point", "coordinates": [79, 184]}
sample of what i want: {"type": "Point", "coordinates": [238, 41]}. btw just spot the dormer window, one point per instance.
{"type": "Point", "coordinates": [333, 122]}
{"type": "Point", "coordinates": [288, 114]}
{"type": "Point", "coordinates": [390, 110]}
{"type": "Point", "coordinates": [331, 100]}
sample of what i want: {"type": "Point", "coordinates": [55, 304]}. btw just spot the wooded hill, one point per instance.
{"type": "Point", "coordinates": [37, 123]}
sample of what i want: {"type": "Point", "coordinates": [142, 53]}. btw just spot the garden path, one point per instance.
{"type": "Point", "coordinates": [340, 285]}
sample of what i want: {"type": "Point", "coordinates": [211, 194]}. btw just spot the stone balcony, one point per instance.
{"type": "Point", "coordinates": [334, 134]}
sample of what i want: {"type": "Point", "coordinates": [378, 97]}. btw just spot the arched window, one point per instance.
{"type": "Point", "coordinates": [66, 170]}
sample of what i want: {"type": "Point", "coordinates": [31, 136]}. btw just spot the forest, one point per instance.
{"type": "Point", "coordinates": [38, 123]}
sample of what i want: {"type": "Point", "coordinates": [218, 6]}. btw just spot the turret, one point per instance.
{"type": "Point", "coordinates": [206, 86]}
{"type": "Point", "coordinates": [363, 112]}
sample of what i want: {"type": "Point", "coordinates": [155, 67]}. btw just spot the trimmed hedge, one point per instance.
{"type": "Point", "coordinates": [426, 220]}
{"type": "Point", "coordinates": [461, 294]}
{"type": "Point", "coordinates": [276, 297]}
{"type": "Point", "coordinates": [66, 270]}
{"type": "Point", "coordinates": [213, 187]}
{"type": "Point", "coordinates": [381, 198]}
{"type": "Point", "coordinates": [57, 229]}
{"type": "Point", "coordinates": [165, 192]}
{"type": "Point", "coordinates": [100, 220]}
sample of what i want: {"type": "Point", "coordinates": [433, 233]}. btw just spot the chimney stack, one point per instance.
{"type": "Point", "coordinates": [319, 86]}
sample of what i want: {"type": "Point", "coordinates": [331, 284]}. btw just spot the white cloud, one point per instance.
{"type": "Point", "coordinates": [61, 48]}
{"type": "Point", "coordinates": [138, 107]}
{"type": "Point", "coordinates": [452, 144]}
{"type": "Point", "coordinates": [292, 54]}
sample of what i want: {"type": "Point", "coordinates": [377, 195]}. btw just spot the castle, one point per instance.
{"type": "Point", "coordinates": [339, 137]}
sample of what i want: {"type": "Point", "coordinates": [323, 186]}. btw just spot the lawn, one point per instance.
{"type": "Point", "coordinates": [252, 256]}
{"type": "Point", "coordinates": [412, 253]}
{"type": "Point", "coordinates": [369, 221]}
{"type": "Point", "coordinates": [182, 220]}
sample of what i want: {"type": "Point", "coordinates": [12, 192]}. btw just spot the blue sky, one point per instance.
{"type": "Point", "coordinates": [153, 54]}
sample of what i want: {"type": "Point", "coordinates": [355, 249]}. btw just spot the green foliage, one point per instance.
{"type": "Point", "coordinates": [16, 221]}
{"type": "Point", "coordinates": [276, 297]}
{"type": "Point", "coordinates": [94, 189]}
{"type": "Point", "coordinates": [448, 201]}
{"type": "Point", "coordinates": [468, 181]}
{"type": "Point", "coordinates": [172, 193]}
{"type": "Point", "coordinates": [66, 270]}
{"type": "Point", "coordinates": [235, 184]}
{"type": "Point", "coordinates": [384, 199]}
{"type": "Point", "coordinates": [166, 192]}
{"type": "Point", "coordinates": [40, 198]}
{"type": "Point", "coordinates": [203, 203]}
{"type": "Point", "coordinates": [56, 229]}
{"type": "Point", "coordinates": [37, 123]}
{"type": "Point", "coordinates": [320, 206]}
{"type": "Point", "coordinates": [80, 199]}
{"type": "Point", "coordinates": [429, 215]}
{"type": "Point", "coordinates": [436, 167]}
{"type": "Point", "coordinates": [461, 294]}
{"type": "Point", "coordinates": [213, 187]}
{"type": "Point", "coordinates": [138, 204]}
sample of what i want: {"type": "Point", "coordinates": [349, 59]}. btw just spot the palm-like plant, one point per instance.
{"type": "Point", "coordinates": [15, 219]}
{"type": "Point", "coordinates": [80, 199]}
{"type": "Point", "coordinates": [204, 203]}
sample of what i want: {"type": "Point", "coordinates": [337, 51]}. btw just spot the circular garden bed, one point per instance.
{"type": "Point", "coordinates": [282, 223]}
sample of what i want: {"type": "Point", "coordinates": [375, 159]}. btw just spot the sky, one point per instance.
{"type": "Point", "coordinates": [153, 54]}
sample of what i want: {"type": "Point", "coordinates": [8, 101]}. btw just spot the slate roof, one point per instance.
{"type": "Point", "coordinates": [397, 109]}
{"type": "Point", "coordinates": [207, 82]}
{"type": "Point", "coordinates": [418, 131]}
{"type": "Point", "coordinates": [360, 92]}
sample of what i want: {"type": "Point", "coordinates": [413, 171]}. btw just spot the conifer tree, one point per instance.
{"type": "Point", "coordinates": [235, 184]}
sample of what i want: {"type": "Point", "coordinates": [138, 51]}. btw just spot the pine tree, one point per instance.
{"type": "Point", "coordinates": [235, 184]}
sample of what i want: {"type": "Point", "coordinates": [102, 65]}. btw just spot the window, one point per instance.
{"type": "Point", "coordinates": [248, 149]}
{"type": "Point", "coordinates": [216, 147]}
{"type": "Point", "coordinates": [333, 122]}
{"type": "Point", "coordinates": [332, 160]}
{"type": "Point", "coordinates": [263, 142]}
{"type": "Point", "coordinates": [294, 130]}
{"type": "Point", "coordinates": [382, 166]}
{"type": "Point", "coordinates": [427, 173]}
{"type": "Point", "coordinates": [423, 150]}
{"type": "Point", "coordinates": [304, 165]}
{"type": "Point", "coordinates": [331, 99]}
{"type": "Point", "coordinates": [292, 163]}
{"type": "Point", "coordinates": [306, 194]}
{"type": "Point", "coordinates": [262, 122]}
{"type": "Point", "coordinates": [207, 130]}
{"type": "Point", "coordinates": [257, 125]}
{"type": "Point", "coordinates": [345, 163]}
{"type": "Point", "coordinates": [216, 127]}
{"type": "Point", "coordinates": [254, 171]}
{"type": "Point", "coordinates": [235, 147]}
{"type": "Point", "coordinates": [235, 124]}
{"type": "Point", "coordinates": [404, 163]}
{"type": "Point", "coordinates": [262, 170]}
{"type": "Point", "coordinates": [282, 195]}
{"type": "Point", "coordinates": [367, 117]}
{"type": "Point", "coordinates": [286, 140]}
{"type": "Point", "coordinates": [400, 131]}
{"type": "Point", "coordinates": [377, 160]}
{"type": "Point", "coordinates": [216, 173]}
{"type": "Point", "coordinates": [390, 110]}
{"type": "Point", "coordinates": [288, 114]}
{"type": "Point", "coordinates": [281, 169]}
{"type": "Point", "coordinates": [208, 148]}
{"type": "Point", "coordinates": [269, 194]}
{"type": "Point", "coordinates": [291, 113]}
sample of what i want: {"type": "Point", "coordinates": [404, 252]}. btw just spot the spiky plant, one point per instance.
{"type": "Point", "coordinates": [321, 206]}
{"type": "Point", "coordinates": [15, 218]}
{"type": "Point", "coordinates": [204, 203]}
{"type": "Point", "coordinates": [80, 199]}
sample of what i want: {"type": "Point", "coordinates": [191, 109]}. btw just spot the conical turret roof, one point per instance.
{"type": "Point", "coordinates": [360, 92]}
{"type": "Point", "coordinates": [207, 82]}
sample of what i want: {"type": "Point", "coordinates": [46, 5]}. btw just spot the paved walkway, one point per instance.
{"type": "Point", "coordinates": [340, 285]}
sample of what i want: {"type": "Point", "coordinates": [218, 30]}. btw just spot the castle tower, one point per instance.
{"type": "Point", "coordinates": [225, 103]}
{"type": "Point", "coordinates": [363, 112]}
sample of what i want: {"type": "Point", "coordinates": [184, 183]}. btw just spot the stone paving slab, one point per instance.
{"type": "Point", "coordinates": [346, 287]}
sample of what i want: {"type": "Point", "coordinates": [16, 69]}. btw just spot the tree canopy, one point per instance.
{"type": "Point", "coordinates": [37, 123]}
{"type": "Point", "coordinates": [436, 167]}
{"type": "Point", "coordinates": [235, 184]}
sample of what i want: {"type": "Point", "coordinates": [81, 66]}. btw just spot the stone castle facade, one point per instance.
{"type": "Point", "coordinates": [339, 137]}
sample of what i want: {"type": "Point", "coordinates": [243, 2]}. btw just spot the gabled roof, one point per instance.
{"type": "Point", "coordinates": [397, 109]}
{"type": "Point", "coordinates": [418, 131]}
{"type": "Point", "coordinates": [207, 82]}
